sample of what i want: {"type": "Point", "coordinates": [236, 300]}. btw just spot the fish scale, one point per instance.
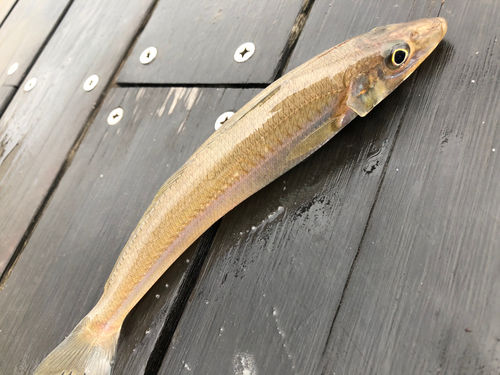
{"type": "Point", "coordinates": [275, 131]}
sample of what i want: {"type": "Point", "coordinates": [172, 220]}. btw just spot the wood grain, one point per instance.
{"type": "Point", "coordinates": [111, 181]}
{"type": "Point", "coordinates": [40, 127]}
{"type": "Point", "coordinates": [196, 43]}
{"type": "Point", "coordinates": [24, 33]}
{"type": "Point", "coordinates": [268, 293]}
{"type": "Point", "coordinates": [424, 296]}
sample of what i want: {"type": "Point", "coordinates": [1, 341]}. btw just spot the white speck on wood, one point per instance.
{"type": "Point", "coordinates": [244, 364]}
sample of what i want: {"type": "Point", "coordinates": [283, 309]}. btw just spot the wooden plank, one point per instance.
{"type": "Point", "coordinates": [196, 43]}
{"type": "Point", "coordinates": [111, 181]}
{"type": "Point", "coordinates": [273, 280]}
{"type": "Point", "coordinates": [6, 93]}
{"type": "Point", "coordinates": [424, 296]}
{"type": "Point", "coordinates": [40, 127]}
{"type": "Point", "coordinates": [24, 33]}
{"type": "Point", "coordinates": [5, 8]}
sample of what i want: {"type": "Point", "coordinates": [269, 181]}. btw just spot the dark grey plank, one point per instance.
{"type": "Point", "coordinates": [5, 7]}
{"type": "Point", "coordinates": [40, 127]}
{"type": "Point", "coordinates": [424, 296]}
{"type": "Point", "coordinates": [6, 93]}
{"type": "Point", "coordinates": [268, 293]}
{"type": "Point", "coordinates": [23, 34]}
{"type": "Point", "coordinates": [196, 43]}
{"type": "Point", "coordinates": [111, 181]}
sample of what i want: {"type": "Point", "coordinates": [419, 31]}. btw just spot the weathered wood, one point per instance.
{"type": "Point", "coordinates": [40, 127]}
{"type": "Point", "coordinates": [6, 93]}
{"type": "Point", "coordinates": [111, 181]}
{"type": "Point", "coordinates": [424, 296]}
{"type": "Point", "coordinates": [196, 43]}
{"type": "Point", "coordinates": [273, 280]}
{"type": "Point", "coordinates": [5, 8]}
{"type": "Point", "coordinates": [24, 33]}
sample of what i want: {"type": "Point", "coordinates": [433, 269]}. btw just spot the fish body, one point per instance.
{"type": "Point", "coordinates": [275, 131]}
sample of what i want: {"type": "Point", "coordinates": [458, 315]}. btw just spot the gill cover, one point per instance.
{"type": "Point", "coordinates": [366, 90]}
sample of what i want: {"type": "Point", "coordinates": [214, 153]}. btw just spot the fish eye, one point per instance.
{"type": "Point", "coordinates": [398, 56]}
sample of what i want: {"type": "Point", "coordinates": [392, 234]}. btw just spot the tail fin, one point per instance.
{"type": "Point", "coordinates": [82, 352]}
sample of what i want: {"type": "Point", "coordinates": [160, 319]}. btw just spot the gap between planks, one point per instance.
{"type": "Point", "coordinates": [297, 28]}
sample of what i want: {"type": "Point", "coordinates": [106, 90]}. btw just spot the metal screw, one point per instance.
{"type": "Point", "coordinates": [30, 84]}
{"type": "Point", "coordinates": [222, 119]}
{"type": "Point", "coordinates": [148, 55]}
{"type": "Point", "coordinates": [91, 82]}
{"type": "Point", "coordinates": [115, 116]}
{"type": "Point", "coordinates": [244, 52]}
{"type": "Point", "coordinates": [13, 68]}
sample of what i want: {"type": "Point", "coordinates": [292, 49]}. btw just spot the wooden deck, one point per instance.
{"type": "Point", "coordinates": [380, 254]}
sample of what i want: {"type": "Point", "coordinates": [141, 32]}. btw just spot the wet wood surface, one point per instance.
{"type": "Point", "coordinates": [426, 283]}
{"type": "Point", "coordinates": [378, 254]}
{"type": "Point", "coordinates": [202, 50]}
{"type": "Point", "coordinates": [39, 128]}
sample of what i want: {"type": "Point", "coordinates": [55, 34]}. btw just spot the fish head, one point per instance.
{"type": "Point", "coordinates": [387, 55]}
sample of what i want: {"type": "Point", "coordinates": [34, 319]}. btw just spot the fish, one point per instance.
{"type": "Point", "coordinates": [276, 130]}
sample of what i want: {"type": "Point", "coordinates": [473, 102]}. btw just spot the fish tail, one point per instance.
{"type": "Point", "coordinates": [82, 352]}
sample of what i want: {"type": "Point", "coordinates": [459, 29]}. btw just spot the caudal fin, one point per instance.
{"type": "Point", "coordinates": [82, 352]}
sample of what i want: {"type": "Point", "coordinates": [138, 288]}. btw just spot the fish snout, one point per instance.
{"type": "Point", "coordinates": [444, 25]}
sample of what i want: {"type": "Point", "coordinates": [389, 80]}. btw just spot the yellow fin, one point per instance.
{"type": "Point", "coordinates": [81, 353]}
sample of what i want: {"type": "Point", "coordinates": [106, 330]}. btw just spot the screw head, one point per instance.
{"type": "Point", "coordinates": [244, 52]}
{"type": "Point", "coordinates": [13, 68]}
{"type": "Point", "coordinates": [30, 84]}
{"type": "Point", "coordinates": [148, 55]}
{"type": "Point", "coordinates": [115, 116]}
{"type": "Point", "coordinates": [91, 82]}
{"type": "Point", "coordinates": [222, 119]}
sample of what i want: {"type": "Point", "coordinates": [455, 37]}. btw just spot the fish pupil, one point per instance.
{"type": "Point", "coordinates": [399, 56]}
